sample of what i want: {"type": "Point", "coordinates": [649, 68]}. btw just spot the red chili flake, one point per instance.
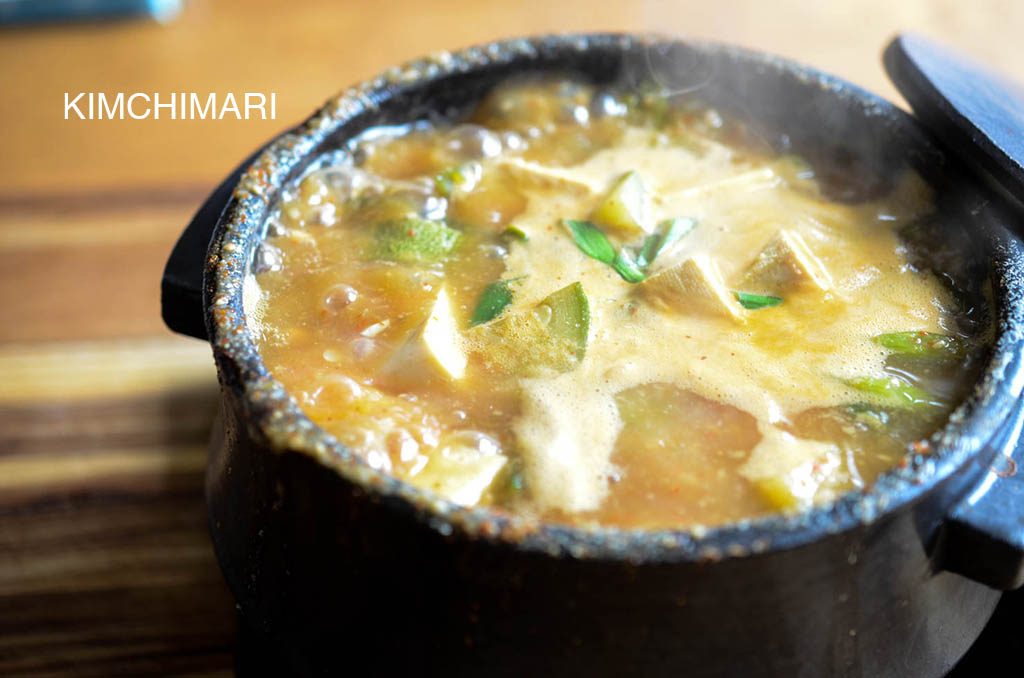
{"type": "Point", "coordinates": [921, 446]}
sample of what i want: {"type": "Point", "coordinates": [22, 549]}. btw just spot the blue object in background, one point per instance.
{"type": "Point", "coordinates": [39, 11]}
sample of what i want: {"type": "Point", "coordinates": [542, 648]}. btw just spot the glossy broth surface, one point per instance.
{"type": "Point", "coordinates": [597, 306]}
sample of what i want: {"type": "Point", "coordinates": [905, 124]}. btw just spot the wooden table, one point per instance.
{"type": "Point", "coordinates": [105, 564]}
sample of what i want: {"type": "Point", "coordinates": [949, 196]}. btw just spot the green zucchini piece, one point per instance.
{"type": "Point", "coordinates": [550, 336]}
{"type": "Point", "coordinates": [413, 240]}
{"type": "Point", "coordinates": [570, 316]}
{"type": "Point", "coordinates": [626, 207]}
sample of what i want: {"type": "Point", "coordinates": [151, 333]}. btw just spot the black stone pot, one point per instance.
{"type": "Point", "coordinates": [338, 565]}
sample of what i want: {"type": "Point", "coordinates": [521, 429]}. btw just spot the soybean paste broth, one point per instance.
{"type": "Point", "coordinates": [596, 306]}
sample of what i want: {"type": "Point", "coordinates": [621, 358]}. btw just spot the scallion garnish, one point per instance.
{"type": "Point", "coordinates": [631, 267]}
{"type": "Point", "coordinates": [893, 391]}
{"type": "Point", "coordinates": [626, 266]}
{"type": "Point", "coordinates": [754, 302]}
{"type": "Point", "coordinates": [493, 301]}
{"type": "Point", "coordinates": [669, 232]}
{"type": "Point", "coordinates": [921, 344]}
{"type": "Point", "coordinates": [595, 244]}
{"type": "Point", "coordinates": [591, 240]}
{"type": "Point", "coordinates": [515, 233]}
{"type": "Point", "coordinates": [461, 177]}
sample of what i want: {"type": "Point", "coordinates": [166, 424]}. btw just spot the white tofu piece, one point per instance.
{"type": "Point", "coordinates": [790, 472]}
{"type": "Point", "coordinates": [751, 181]}
{"type": "Point", "coordinates": [786, 262]}
{"type": "Point", "coordinates": [436, 350]}
{"type": "Point", "coordinates": [441, 338]}
{"type": "Point", "coordinates": [460, 474]}
{"type": "Point", "coordinates": [693, 287]}
{"type": "Point", "coordinates": [544, 177]}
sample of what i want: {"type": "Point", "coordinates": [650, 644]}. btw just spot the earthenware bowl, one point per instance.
{"type": "Point", "coordinates": [338, 565]}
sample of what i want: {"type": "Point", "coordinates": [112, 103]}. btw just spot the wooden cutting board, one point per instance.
{"type": "Point", "coordinates": [105, 563]}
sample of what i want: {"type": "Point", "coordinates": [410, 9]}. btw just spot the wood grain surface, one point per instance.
{"type": "Point", "coordinates": [105, 563]}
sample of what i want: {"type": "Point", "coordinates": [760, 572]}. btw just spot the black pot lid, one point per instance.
{"type": "Point", "coordinates": [975, 113]}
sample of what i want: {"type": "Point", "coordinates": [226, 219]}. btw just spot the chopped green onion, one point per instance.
{"type": "Point", "coordinates": [754, 302]}
{"type": "Point", "coordinates": [626, 266]}
{"type": "Point", "coordinates": [460, 178]}
{"type": "Point", "coordinates": [444, 183]}
{"type": "Point", "coordinates": [922, 345]}
{"type": "Point", "coordinates": [516, 233]}
{"type": "Point", "coordinates": [631, 267]}
{"type": "Point", "coordinates": [892, 391]}
{"type": "Point", "coordinates": [596, 245]}
{"type": "Point", "coordinates": [669, 232]}
{"type": "Point", "coordinates": [447, 181]}
{"type": "Point", "coordinates": [649, 250]}
{"type": "Point", "coordinates": [591, 240]}
{"type": "Point", "coordinates": [493, 300]}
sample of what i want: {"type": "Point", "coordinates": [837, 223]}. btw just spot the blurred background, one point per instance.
{"type": "Point", "coordinates": [105, 563]}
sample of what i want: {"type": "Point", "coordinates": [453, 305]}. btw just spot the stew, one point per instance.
{"type": "Point", "coordinates": [614, 307]}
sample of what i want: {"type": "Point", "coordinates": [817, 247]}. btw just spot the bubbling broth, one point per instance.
{"type": "Point", "coordinates": [606, 307]}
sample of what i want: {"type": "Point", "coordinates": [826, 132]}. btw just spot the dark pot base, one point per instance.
{"type": "Point", "coordinates": [994, 654]}
{"type": "Point", "coordinates": [355, 583]}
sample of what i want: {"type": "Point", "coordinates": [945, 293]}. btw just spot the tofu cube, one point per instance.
{"type": "Point", "coordinates": [460, 474]}
{"type": "Point", "coordinates": [694, 287]}
{"type": "Point", "coordinates": [785, 263]}
{"type": "Point", "coordinates": [435, 350]}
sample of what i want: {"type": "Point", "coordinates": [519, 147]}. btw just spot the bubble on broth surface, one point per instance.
{"type": "Point", "coordinates": [267, 258]}
{"type": "Point", "coordinates": [474, 142]}
{"type": "Point", "coordinates": [606, 105]}
{"type": "Point", "coordinates": [339, 296]}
